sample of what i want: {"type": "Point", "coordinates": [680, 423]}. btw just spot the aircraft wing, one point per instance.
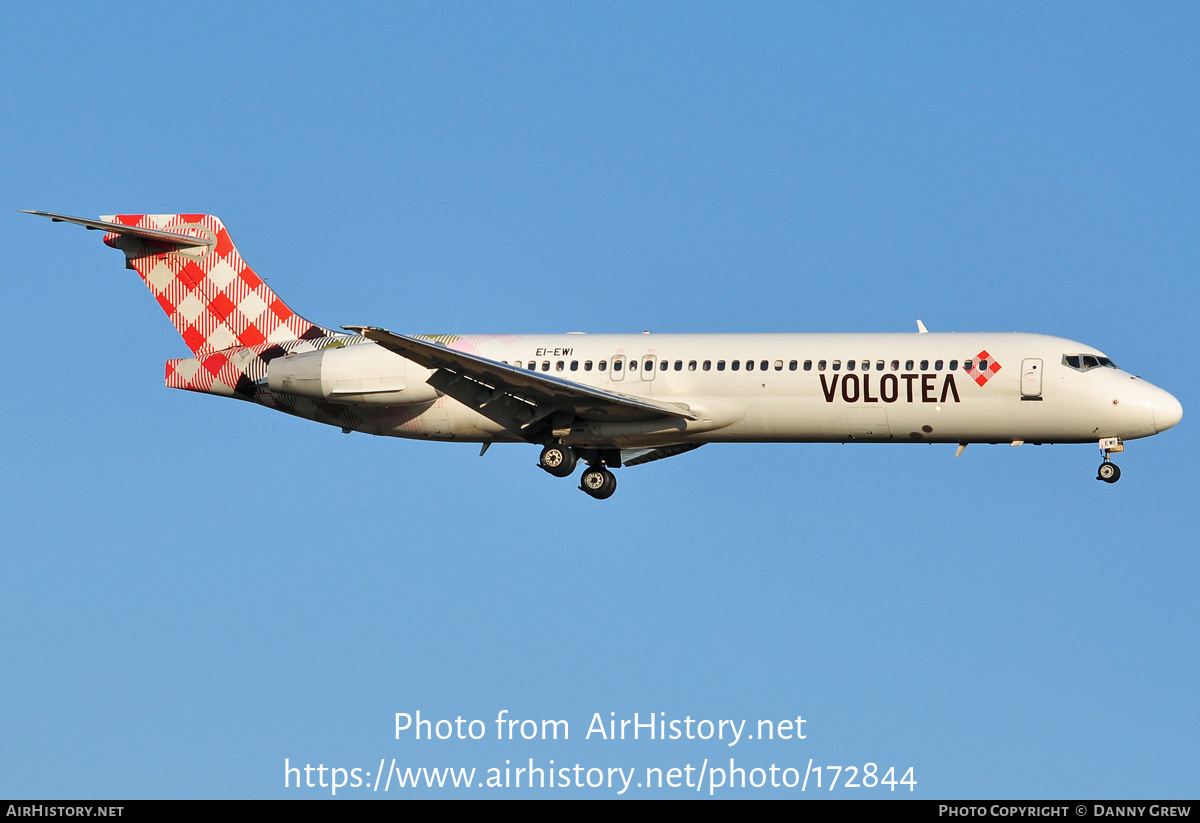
{"type": "Point", "coordinates": [519, 399]}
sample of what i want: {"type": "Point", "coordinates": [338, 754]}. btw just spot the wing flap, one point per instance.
{"type": "Point", "coordinates": [636, 457]}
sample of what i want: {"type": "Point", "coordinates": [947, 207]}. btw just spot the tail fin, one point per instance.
{"type": "Point", "coordinates": [195, 273]}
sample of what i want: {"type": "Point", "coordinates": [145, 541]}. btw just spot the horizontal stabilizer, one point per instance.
{"type": "Point", "coordinates": [193, 239]}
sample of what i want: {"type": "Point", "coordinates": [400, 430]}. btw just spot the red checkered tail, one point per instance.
{"type": "Point", "coordinates": [195, 273]}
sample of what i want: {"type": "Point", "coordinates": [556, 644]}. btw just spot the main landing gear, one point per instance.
{"type": "Point", "coordinates": [1109, 472]}
{"type": "Point", "coordinates": [597, 480]}
{"type": "Point", "coordinates": [558, 460]}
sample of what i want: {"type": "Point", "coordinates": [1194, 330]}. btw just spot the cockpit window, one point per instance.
{"type": "Point", "coordinates": [1086, 362]}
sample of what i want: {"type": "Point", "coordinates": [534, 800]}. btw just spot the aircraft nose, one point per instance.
{"type": "Point", "coordinates": [1167, 410]}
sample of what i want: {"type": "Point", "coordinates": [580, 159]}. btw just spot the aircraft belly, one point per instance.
{"type": "Point", "coordinates": [999, 419]}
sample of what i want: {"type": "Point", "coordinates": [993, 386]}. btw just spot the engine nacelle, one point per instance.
{"type": "Point", "coordinates": [364, 374]}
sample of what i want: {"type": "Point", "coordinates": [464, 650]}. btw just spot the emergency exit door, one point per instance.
{"type": "Point", "coordinates": [1031, 379]}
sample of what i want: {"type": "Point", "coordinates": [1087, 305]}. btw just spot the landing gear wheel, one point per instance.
{"type": "Point", "coordinates": [558, 460]}
{"type": "Point", "coordinates": [599, 482]}
{"type": "Point", "coordinates": [1108, 472]}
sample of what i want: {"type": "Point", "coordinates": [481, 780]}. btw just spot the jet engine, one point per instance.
{"type": "Point", "coordinates": [364, 374]}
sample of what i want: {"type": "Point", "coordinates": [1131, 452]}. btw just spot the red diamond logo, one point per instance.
{"type": "Point", "coordinates": [981, 368]}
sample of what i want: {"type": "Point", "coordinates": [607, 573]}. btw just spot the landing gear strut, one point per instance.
{"type": "Point", "coordinates": [599, 482]}
{"type": "Point", "coordinates": [1109, 472]}
{"type": "Point", "coordinates": [558, 460]}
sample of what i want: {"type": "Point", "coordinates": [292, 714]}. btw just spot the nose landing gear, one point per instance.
{"type": "Point", "coordinates": [1109, 472]}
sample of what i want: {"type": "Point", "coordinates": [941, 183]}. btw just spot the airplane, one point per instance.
{"type": "Point", "coordinates": [615, 400]}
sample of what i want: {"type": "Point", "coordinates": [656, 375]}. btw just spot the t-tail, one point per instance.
{"type": "Point", "coordinates": [215, 301]}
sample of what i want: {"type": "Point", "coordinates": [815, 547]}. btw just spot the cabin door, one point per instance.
{"type": "Point", "coordinates": [1031, 378]}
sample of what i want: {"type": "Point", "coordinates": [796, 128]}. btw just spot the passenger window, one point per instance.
{"type": "Point", "coordinates": [983, 364]}
{"type": "Point", "coordinates": [574, 365]}
{"type": "Point", "coordinates": [953, 365]}
{"type": "Point", "coordinates": [821, 365]}
{"type": "Point", "coordinates": [679, 365]}
{"type": "Point", "coordinates": [878, 365]}
{"type": "Point", "coordinates": [587, 365]}
{"type": "Point", "coordinates": [633, 365]}
{"type": "Point", "coordinates": [545, 365]}
{"type": "Point", "coordinates": [735, 365]}
{"type": "Point", "coordinates": [602, 365]}
{"type": "Point", "coordinates": [691, 365]}
{"type": "Point", "coordinates": [937, 366]}
{"type": "Point", "coordinates": [837, 365]}
{"type": "Point", "coordinates": [617, 365]}
{"type": "Point", "coordinates": [967, 364]}
{"type": "Point", "coordinates": [925, 365]}
{"type": "Point", "coordinates": [808, 365]}
{"type": "Point", "coordinates": [708, 365]}
{"type": "Point", "coordinates": [793, 365]}
{"type": "Point", "coordinates": [763, 365]}
{"type": "Point", "coordinates": [849, 365]}
{"type": "Point", "coordinates": [908, 365]}
{"type": "Point", "coordinates": [720, 365]}
{"type": "Point", "coordinates": [866, 365]}
{"type": "Point", "coordinates": [896, 365]}
{"type": "Point", "coordinates": [749, 365]}
{"type": "Point", "coordinates": [778, 365]}
{"type": "Point", "coordinates": [559, 366]}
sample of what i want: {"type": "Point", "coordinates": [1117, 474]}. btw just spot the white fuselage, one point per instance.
{"type": "Point", "coordinates": [823, 388]}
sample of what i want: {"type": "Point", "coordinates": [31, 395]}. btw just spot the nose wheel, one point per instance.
{"type": "Point", "coordinates": [1109, 471]}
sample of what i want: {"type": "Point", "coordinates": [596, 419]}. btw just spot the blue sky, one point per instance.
{"type": "Point", "coordinates": [197, 589]}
